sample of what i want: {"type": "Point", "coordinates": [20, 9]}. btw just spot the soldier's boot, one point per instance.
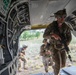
{"type": "Point", "coordinates": [46, 70]}
{"type": "Point", "coordinates": [25, 68]}
{"type": "Point", "coordinates": [19, 69]}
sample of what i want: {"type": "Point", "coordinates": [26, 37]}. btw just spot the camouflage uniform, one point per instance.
{"type": "Point", "coordinates": [22, 56]}
{"type": "Point", "coordinates": [57, 54]}
{"type": "Point", "coordinates": [47, 59]}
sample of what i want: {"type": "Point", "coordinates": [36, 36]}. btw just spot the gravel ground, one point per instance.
{"type": "Point", "coordinates": [34, 61]}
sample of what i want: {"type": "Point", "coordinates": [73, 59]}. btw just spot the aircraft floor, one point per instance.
{"type": "Point", "coordinates": [24, 73]}
{"type": "Point", "coordinates": [64, 71]}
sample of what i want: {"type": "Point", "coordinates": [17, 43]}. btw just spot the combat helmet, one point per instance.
{"type": "Point", "coordinates": [24, 46]}
{"type": "Point", "coordinates": [60, 13]}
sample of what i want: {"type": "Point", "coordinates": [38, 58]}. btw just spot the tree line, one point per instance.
{"type": "Point", "coordinates": [30, 34]}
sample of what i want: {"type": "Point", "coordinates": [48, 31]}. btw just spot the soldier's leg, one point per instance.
{"type": "Point", "coordinates": [57, 63]}
{"type": "Point", "coordinates": [19, 65]}
{"type": "Point", "coordinates": [63, 55]}
{"type": "Point", "coordinates": [45, 63]}
{"type": "Point", "coordinates": [24, 62]}
{"type": "Point", "coordinates": [50, 61]}
{"type": "Point", "coordinates": [46, 68]}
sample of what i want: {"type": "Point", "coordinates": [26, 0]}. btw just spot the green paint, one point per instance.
{"type": "Point", "coordinates": [6, 3]}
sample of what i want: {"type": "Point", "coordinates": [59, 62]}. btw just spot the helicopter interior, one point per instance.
{"type": "Point", "coordinates": [17, 16]}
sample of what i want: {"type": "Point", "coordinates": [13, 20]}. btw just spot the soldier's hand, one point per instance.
{"type": "Point", "coordinates": [19, 59]}
{"type": "Point", "coordinates": [56, 37]}
{"type": "Point", "coordinates": [48, 52]}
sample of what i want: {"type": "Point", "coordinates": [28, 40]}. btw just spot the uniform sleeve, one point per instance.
{"type": "Point", "coordinates": [68, 36]}
{"type": "Point", "coordinates": [20, 50]}
{"type": "Point", "coordinates": [42, 50]}
{"type": "Point", "coordinates": [48, 31]}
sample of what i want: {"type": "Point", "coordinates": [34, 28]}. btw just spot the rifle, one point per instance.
{"type": "Point", "coordinates": [65, 46]}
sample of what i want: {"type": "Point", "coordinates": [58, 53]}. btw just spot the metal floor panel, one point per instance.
{"type": "Point", "coordinates": [50, 73]}
{"type": "Point", "coordinates": [68, 71]}
{"type": "Point", "coordinates": [65, 71]}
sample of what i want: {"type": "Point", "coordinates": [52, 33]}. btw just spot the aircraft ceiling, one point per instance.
{"type": "Point", "coordinates": [41, 11]}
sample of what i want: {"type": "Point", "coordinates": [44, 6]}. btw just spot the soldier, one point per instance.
{"type": "Point", "coordinates": [22, 57]}
{"type": "Point", "coordinates": [58, 31]}
{"type": "Point", "coordinates": [46, 54]}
